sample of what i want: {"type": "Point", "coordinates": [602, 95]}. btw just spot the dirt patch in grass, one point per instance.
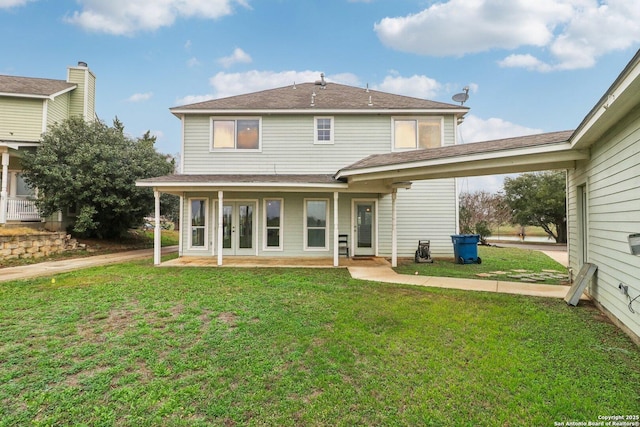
{"type": "Point", "coordinates": [229, 319]}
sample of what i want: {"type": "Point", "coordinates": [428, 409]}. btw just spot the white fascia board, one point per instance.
{"type": "Point", "coordinates": [15, 145]}
{"type": "Point", "coordinates": [606, 102]}
{"type": "Point", "coordinates": [24, 95]}
{"type": "Point", "coordinates": [63, 92]}
{"type": "Point", "coordinates": [244, 186]}
{"type": "Point", "coordinates": [34, 96]}
{"type": "Point", "coordinates": [560, 151]}
{"type": "Point", "coordinates": [178, 111]}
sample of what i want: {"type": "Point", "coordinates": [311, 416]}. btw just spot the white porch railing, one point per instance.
{"type": "Point", "coordinates": [22, 210]}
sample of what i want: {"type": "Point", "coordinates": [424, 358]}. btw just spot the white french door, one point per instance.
{"type": "Point", "coordinates": [239, 228]}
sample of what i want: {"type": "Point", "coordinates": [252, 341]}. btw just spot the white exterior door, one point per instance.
{"type": "Point", "coordinates": [238, 228]}
{"type": "Point", "coordinates": [364, 228]}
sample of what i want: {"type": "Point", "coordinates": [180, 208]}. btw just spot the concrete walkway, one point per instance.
{"type": "Point", "coordinates": [378, 272]}
{"type": "Point", "coordinates": [388, 275]}
{"type": "Point", "coordinates": [51, 268]}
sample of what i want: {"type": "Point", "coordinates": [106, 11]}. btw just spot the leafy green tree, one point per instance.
{"type": "Point", "coordinates": [93, 167]}
{"type": "Point", "coordinates": [539, 199]}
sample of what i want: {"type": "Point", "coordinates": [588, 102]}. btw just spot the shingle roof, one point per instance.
{"type": "Point", "coordinates": [333, 96]}
{"type": "Point", "coordinates": [243, 179]}
{"type": "Point", "coordinates": [381, 160]}
{"type": "Point", "coordinates": [32, 86]}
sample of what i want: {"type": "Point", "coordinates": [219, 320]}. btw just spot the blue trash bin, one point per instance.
{"type": "Point", "coordinates": [465, 248]}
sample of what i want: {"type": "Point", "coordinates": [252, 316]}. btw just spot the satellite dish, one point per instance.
{"type": "Point", "coordinates": [462, 97]}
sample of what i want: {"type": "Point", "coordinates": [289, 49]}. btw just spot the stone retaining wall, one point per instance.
{"type": "Point", "coordinates": [35, 245]}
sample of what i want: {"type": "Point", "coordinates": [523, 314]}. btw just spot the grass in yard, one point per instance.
{"type": "Point", "coordinates": [134, 345]}
{"type": "Point", "coordinates": [494, 259]}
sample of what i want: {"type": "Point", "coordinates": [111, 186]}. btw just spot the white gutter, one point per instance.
{"type": "Point", "coordinates": [313, 111]}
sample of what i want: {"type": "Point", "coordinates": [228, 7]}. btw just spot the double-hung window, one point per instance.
{"type": "Point", "coordinates": [323, 130]}
{"type": "Point", "coordinates": [235, 133]}
{"type": "Point", "coordinates": [316, 231]}
{"type": "Point", "coordinates": [273, 224]}
{"type": "Point", "coordinates": [421, 132]}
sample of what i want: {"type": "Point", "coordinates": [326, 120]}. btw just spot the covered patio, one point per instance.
{"type": "Point", "coordinates": [383, 173]}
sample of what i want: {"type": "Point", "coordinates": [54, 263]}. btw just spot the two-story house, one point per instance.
{"type": "Point", "coordinates": [28, 106]}
{"type": "Point", "coordinates": [261, 174]}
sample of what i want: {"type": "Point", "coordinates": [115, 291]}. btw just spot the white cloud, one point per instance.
{"type": "Point", "coordinates": [229, 84]}
{"type": "Point", "coordinates": [238, 56]}
{"type": "Point", "coordinates": [140, 97]}
{"type": "Point", "coordinates": [126, 17]}
{"type": "Point", "coordinates": [416, 86]}
{"type": "Point", "coordinates": [527, 61]}
{"type": "Point", "coordinates": [6, 4]}
{"type": "Point", "coordinates": [193, 62]}
{"type": "Point", "coordinates": [192, 99]}
{"type": "Point", "coordinates": [475, 129]}
{"type": "Point", "coordinates": [574, 33]}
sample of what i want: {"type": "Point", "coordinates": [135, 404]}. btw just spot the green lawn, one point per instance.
{"type": "Point", "coordinates": [134, 345]}
{"type": "Point", "coordinates": [494, 259]}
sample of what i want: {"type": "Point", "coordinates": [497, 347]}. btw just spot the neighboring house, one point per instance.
{"type": "Point", "coordinates": [258, 174]}
{"type": "Point", "coordinates": [28, 106]}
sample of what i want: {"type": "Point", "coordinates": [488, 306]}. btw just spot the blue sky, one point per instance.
{"type": "Point", "coordinates": [531, 66]}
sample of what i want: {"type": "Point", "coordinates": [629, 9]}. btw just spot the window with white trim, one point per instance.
{"type": "Point", "coordinates": [22, 188]}
{"type": "Point", "coordinates": [198, 209]}
{"type": "Point", "coordinates": [323, 130]}
{"type": "Point", "coordinates": [413, 133]}
{"type": "Point", "coordinates": [273, 209]}
{"type": "Point", "coordinates": [235, 133]}
{"type": "Point", "coordinates": [316, 231]}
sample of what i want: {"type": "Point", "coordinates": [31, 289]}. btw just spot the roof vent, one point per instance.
{"type": "Point", "coordinates": [313, 99]}
{"type": "Point", "coordinates": [370, 101]}
{"type": "Point", "coordinates": [322, 82]}
{"type": "Point", "coordinates": [82, 64]}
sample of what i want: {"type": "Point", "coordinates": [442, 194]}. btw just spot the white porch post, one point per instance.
{"type": "Point", "coordinates": [157, 241]}
{"type": "Point", "coordinates": [336, 250]}
{"type": "Point", "coordinates": [181, 224]}
{"type": "Point", "coordinates": [220, 228]}
{"type": "Point", "coordinates": [4, 194]}
{"type": "Point", "coordinates": [394, 230]}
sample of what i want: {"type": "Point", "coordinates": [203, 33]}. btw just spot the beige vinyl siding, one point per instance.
{"type": "Point", "coordinates": [21, 118]}
{"type": "Point", "coordinates": [91, 96]}
{"type": "Point", "coordinates": [612, 178]}
{"type": "Point", "coordinates": [449, 133]}
{"type": "Point", "coordinates": [425, 212]}
{"type": "Point", "coordinates": [58, 109]}
{"type": "Point", "coordinates": [77, 101]}
{"type": "Point", "coordinates": [287, 145]}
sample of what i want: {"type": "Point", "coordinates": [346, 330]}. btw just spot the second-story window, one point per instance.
{"type": "Point", "coordinates": [414, 133]}
{"type": "Point", "coordinates": [323, 130]}
{"type": "Point", "coordinates": [235, 134]}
